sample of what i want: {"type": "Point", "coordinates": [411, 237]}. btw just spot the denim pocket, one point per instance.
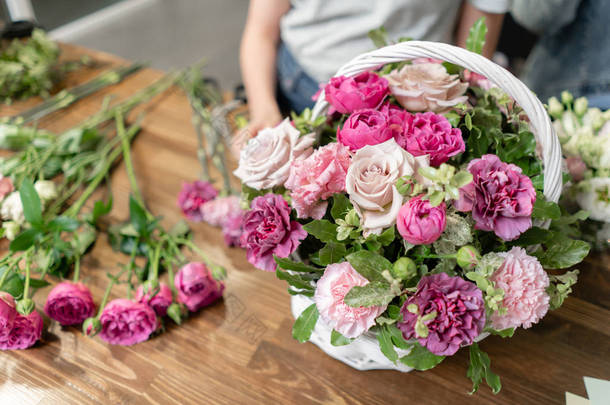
{"type": "Point", "coordinates": [295, 85]}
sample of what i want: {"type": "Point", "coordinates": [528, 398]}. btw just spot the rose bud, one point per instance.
{"type": "Point", "coordinates": [174, 311]}
{"type": "Point", "coordinates": [196, 286]}
{"type": "Point", "coordinates": [419, 223]}
{"type": "Point", "coordinates": [69, 303]}
{"type": "Point", "coordinates": [7, 315]}
{"type": "Point", "coordinates": [467, 257]}
{"type": "Point", "coordinates": [92, 326]}
{"type": "Point", "coordinates": [159, 298]}
{"type": "Point", "coordinates": [126, 322]}
{"type": "Point", "coordinates": [348, 94]}
{"type": "Point", "coordinates": [25, 306]}
{"type": "Point", "coordinates": [404, 268]}
{"type": "Point", "coordinates": [193, 196]}
{"type": "Point", "coordinates": [26, 331]}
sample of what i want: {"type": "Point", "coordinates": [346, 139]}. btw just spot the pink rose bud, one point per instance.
{"type": "Point", "coordinates": [69, 303]}
{"type": "Point", "coordinates": [348, 94]}
{"type": "Point", "coordinates": [8, 312]}
{"type": "Point", "coordinates": [193, 196]}
{"type": "Point", "coordinates": [25, 332]}
{"type": "Point", "coordinates": [125, 322]}
{"type": "Point", "coordinates": [25, 306]}
{"type": "Point", "coordinates": [196, 286]}
{"type": "Point", "coordinates": [158, 297]}
{"type": "Point", "coordinates": [92, 326]}
{"type": "Point", "coordinates": [467, 257]}
{"type": "Point", "coordinates": [576, 167]}
{"type": "Point", "coordinates": [364, 127]}
{"type": "Point", "coordinates": [419, 223]}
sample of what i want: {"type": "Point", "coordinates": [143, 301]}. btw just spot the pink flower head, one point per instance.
{"type": "Point", "coordinates": [197, 288]}
{"type": "Point", "coordinates": [233, 228]}
{"type": "Point", "coordinates": [125, 322]}
{"type": "Point", "coordinates": [7, 315]}
{"type": "Point", "coordinates": [337, 280]}
{"type": "Point", "coordinates": [159, 299]}
{"type": "Point", "coordinates": [419, 223]}
{"type": "Point", "coordinates": [432, 134]}
{"type": "Point", "coordinates": [524, 282]}
{"type": "Point", "coordinates": [69, 303]}
{"type": "Point", "coordinates": [26, 331]}
{"type": "Point", "coordinates": [364, 127]}
{"type": "Point", "coordinates": [193, 196]}
{"type": "Point", "coordinates": [269, 231]}
{"type": "Point", "coordinates": [314, 179]}
{"type": "Point", "coordinates": [399, 121]}
{"type": "Point", "coordinates": [458, 309]}
{"type": "Point", "coordinates": [6, 187]}
{"type": "Point", "coordinates": [477, 80]}
{"type": "Point", "coordinates": [500, 196]}
{"type": "Point", "coordinates": [217, 211]}
{"type": "Point", "coordinates": [348, 94]}
{"type": "Point", "coordinates": [576, 167]}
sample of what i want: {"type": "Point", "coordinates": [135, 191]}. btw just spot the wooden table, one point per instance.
{"type": "Point", "coordinates": [241, 350]}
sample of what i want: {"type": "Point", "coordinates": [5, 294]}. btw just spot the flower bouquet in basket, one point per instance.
{"type": "Point", "coordinates": [412, 219]}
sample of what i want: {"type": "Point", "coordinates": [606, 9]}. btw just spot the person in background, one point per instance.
{"type": "Point", "coordinates": [289, 47]}
{"type": "Point", "coordinates": [573, 52]}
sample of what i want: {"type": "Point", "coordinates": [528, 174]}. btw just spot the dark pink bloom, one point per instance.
{"type": "Point", "coordinates": [193, 196]}
{"type": "Point", "coordinates": [432, 134]}
{"type": "Point", "coordinates": [348, 94]}
{"type": "Point", "coordinates": [269, 231]}
{"type": "Point", "coordinates": [456, 310]}
{"type": "Point", "coordinates": [6, 187]}
{"type": "Point", "coordinates": [126, 322]}
{"type": "Point", "coordinates": [477, 80]}
{"type": "Point", "coordinates": [7, 315]}
{"type": "Point", "coordinates": [196, 286]}
{"type": "Point", "coordinates": [232, 228]}
{"type": "Point", "coordinates": [364, 127]}
{"type": "Point", "coordinates": [159, 299]}
{"type": "Point", "coordinates": [399, 121]}
{"type": "Point", "coordinates": [419, 223]}
{"type": "Point", "coordinates": [69, 303]}
{"type": "Point", "coordinates": [26, 331]}
{"type": "Point", "coordinates": [500, 197]}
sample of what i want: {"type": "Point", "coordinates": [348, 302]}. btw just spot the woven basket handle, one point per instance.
{"type": "Point", "coordinates": [539, 119]}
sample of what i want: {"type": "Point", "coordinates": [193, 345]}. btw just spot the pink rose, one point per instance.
{"type": "Point", "coordinates": [158, 299]}
{"type": "Point", "coordinates": [500, 197]}
{"type": "Point", "coordinates": [26, 331]}
{"type": "Point", "coordinates": [477, 80]}
{"type": "Point", "coordinates": [337, 280]}
{"type": "Point", "coordinates": [576, 167]}
{"type": "Point", "coordinates": [524, 282]}
{"type": "Point", "coordinates": [364, 127]}
{"type": "Point", "coordinates": [216, 212]}
{"type": "Point", "coordinates": [193, 196]}
{"type": "Point", "coordinates": [197, 288]}
{"type": "Point", "coordinates": [125, 322]}
{"type": "Point", "coordinates": [69, 303]}
{"type": "Point", "coordinates": [313, 180]}
{"type": "Point", "coordinates": [432, 134]}
{"type": "Point", "coordinates": [7, 315]}
{"type": "Point", "coordinates": [348, 94]}
{"type": "Point", "coordinates": [6, 187]}
{"type": "Point", "coordinates": [399, 120]}
{"type": "Point", "coordinates": [233, 228]}
{"type": "Point", "coordinates": [426, 87]}
{"type": "Point", "coordinates": [419, 223]}
{"type": "Point", "coordinates": [268, 231]}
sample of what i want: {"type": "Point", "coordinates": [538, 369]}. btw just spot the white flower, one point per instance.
{"type": "Point", "coordinates": [265, 160]}
{"type": "Point", "coordinates": [11, 229]}
{"type": "Point", "coordinates": [12, 209]}
{"type": "Point", "coordinates": [371, 182]}
{"type": "Point", "coordinates": [595, 198]}
{"type": "Point", "coordinates": [46, 190]}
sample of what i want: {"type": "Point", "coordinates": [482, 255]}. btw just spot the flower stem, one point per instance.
{"type": "Point", "coordinates": [195, 249]}
{"type": "Point", "coordinates": [132, 263]}
{"type": "Point", "coordinates": [26, 288]}
{"type": "Point", "coordinates": [127, 158]}
{"type": "Point", "coordinates": [107, 292]}
{"type": "Point", "coordinates": [76, 268]}
{"type": "Point", "coordinates": [4, 276]}
{"type": "Point", "coordinates": [170, 275]}
{"type": "Point", "coordinates": [153, 274]}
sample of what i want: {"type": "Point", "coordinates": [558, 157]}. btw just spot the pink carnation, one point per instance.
{"type": "Point", "coordinates": [26, 331]}
{"type": "Point", "coordinates": [69, 303]}
{"type": "Point", "coordinates": [432, 134]}
{"type": "Point", "coordinates": [125, 322]}
{"type": "Point", "coordinates": [7, 315]}
{"type": "Point", "coordinates": [217, 211]}
{"type": "Point", "coordinates": [232, 229]}
{"type": "Point", "coordinates": [500, 197]}
{"type": "Point", "coordinates": [193, 196]}
{"type": "Point", "coordinates": [419, 223]}
{"type": "Point", "coordinates": [524, 282]}
{"type": "Point", "coordinates": [364, 127]}
{"type": "Point", "coordinates": [314, 179]}
{"type": "Point", "coordinates": [337, 280]}
{"type": "Point", "coordinates": [348, 94]}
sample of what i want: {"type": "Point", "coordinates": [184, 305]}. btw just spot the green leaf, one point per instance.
{"type": "Point", "coordinates": [137, 215]}
{"type": "Point", "coordinates": [560, 287]}
{"type": "Point", "coordinates": [322, 230]}
{"type": "Point", "coordinates": [100, 208]}
{"type": "Point", "coordinates": [563, 253]}
{"type": "Point", "coordinates": [295, 280]}
{"type": "Point", "coordinates": [63, 224]}
{"type": "Point", "coordinates": [341, 206]}
{"type": "Point", "coordinates": [384, 337]}
{"type": "Point", "coordinates": [533, 236]}
{"type": "Point", "coordinates": [13, 285]}
{"type": "Point", "coordinates": [476, 36]}
{"type": "Point", "coordinates": [369, 264]}
{"type": "Point", "coordinates": [453, 117]}
{"type": "Point", "coordinates": [35, 282]}
{"type": "Point", "coordinates": [32, 208]}
{"type": "Point", "coordinates": [24, 240]}
{"type": "Point", "coordinates": [421, 358]}
{"type": "Point", "coordinates": [84, 239]}
{"type": "Point", "coordinates": [509, 332]}
{"type": "Point", "coordinates": [480, 368]}
{"type": "Point", "coordinates": [332, 253]}
{"type": "Point", "coordinates": [461, 179]}
{"type": "Point", "coordinates": [397, 338]}
{"type": "Point", "coordinates": [545, 209]}
{"type": "Point", "coordinates": [337, 339]}
{"type": "Point", "coordinates": [379, 37]}
{"type": "Point", "coordinates": [305, 323]}
{"type": "Point", "coordinates": [180, 229]}
{"type": "Point", "coordinates": [374, 293]}
{"type": "Point", "coordinates": [288, 264]}
{"type": "Point", "coordinates": [393, 311]}
{"type": "Point", "coordinates": [387, 236]}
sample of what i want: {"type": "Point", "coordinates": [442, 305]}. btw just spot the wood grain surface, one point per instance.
{"type": "Point", "coordinates": [240, 350]}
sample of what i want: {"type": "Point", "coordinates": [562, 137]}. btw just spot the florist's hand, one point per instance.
{"type": "Point", "coordinates": [259, 120]}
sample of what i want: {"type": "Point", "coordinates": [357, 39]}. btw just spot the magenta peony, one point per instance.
{"type": "Point", "coordinates": [196, 286]}
{"type": "Point", "coordinates": [313, 180]}
{"type": "Point", "coordinates": [26, 331]}
{"type": "Point", "coordinates": [7, 315]}
{"type": "Point", "coordinates": [399, 121]}
{"type": "Point", "coordinates": [364, 127]}
{"type": "Point", "coordinates": [269, 231]}
{"type": "Point", "coordinates": [216, 211]}
{"type": "Point", "coordinates": [125, 322]}
{"type": "Point", "coordinates": [348, 94]}
{"type": "Point", "coordinates": [193, 196]}
{"type": "Point", "coordinates": [159, 301]}
{"type": "Point", "coordinates": [69, 303]}
{"type": "Point", "coordinates": [524, 282]}
{"type": "Point", "coordinates": [500, 197]}
{"type": "Point", "coordinates": [232, 229]}
{"type": "Point", "coordinates": [432, 134]}
{"type": "Point", "coordinates": [337, 280]}
{"type": "Point", "coordinates": [419, 223]}
{"type": "Point", "coordinates": [455, 309]}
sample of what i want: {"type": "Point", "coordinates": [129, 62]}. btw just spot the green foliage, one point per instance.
{"type": "Point", "coordinates": [305, 123]}
{"type": "Point", "coordinates": [332, 253]}
{"type": "Point", "coordinates": [322, 229]}
{"type": "Point", "coordinates": [300, 281]}
{"type": "Point", "coordinates": [305, 323]}
{"type": "Point", "coordinates": [369, 264]}
{"type": "Point", "coordinates": [476, 36]}
{"type": "Point", "coordinates": [341, 206]}
{"type": "Point", "coordinates": [100, 209]}
{"type": "Point", "coordinates": [287, 264]}
{"type": "Point", "coordinates": [561, 253]}
{"type": "Point", "coordinates": [337, 339]}
{"type": "Point", "coordinates": [544, 209]}
{"type": "Point", "coordinates": [379, 36]}
{"type": "Point", "coordinates": [384, 337]}
{"type": "Point", "coordinates": [376, 293]}
{"type": "Point", "coordinates": [560, 287]}
{"type": "Point", "coordinates": [421, 358]}
{"type": "Point", "coordinates": [479, 368]}
{"type": "Point", "coordinates": [32, 207]}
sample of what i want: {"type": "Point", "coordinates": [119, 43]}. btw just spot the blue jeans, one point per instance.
{"type": "Point", "coordinates": [295, 86]}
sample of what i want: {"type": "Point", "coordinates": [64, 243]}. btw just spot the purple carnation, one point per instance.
{"type": "Point", "coordinates": [269, 231]}
{"type": "Point", "coordinates": [460, 313]}
{"type": "Point", "coordinates": [193, 196]}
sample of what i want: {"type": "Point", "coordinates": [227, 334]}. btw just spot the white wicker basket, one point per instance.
{"type": "Point", "coordinates": [364, 352]}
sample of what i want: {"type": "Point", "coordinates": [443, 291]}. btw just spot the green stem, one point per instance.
{"type": "Point", "coordinates": [195, 249]}
{"type": "Point", "coordinates": [170, 275]}
{"type": "Point", "coordinates": [453, 256]}
{"type": "Point", "coordinates": [132, 263]}
{"type": "Point", "coordinates": [26, 289]}
{"type": "Point", "coordinates": [76, 268]}
{"type": "Point", "coordinates": [107, 293]}
{"type": "Point", "coordinates": [153, 274]}
{"type": "Point", "coordinates": [127, 158]}
{"type": "Point", "coordinates": [4, 276]}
